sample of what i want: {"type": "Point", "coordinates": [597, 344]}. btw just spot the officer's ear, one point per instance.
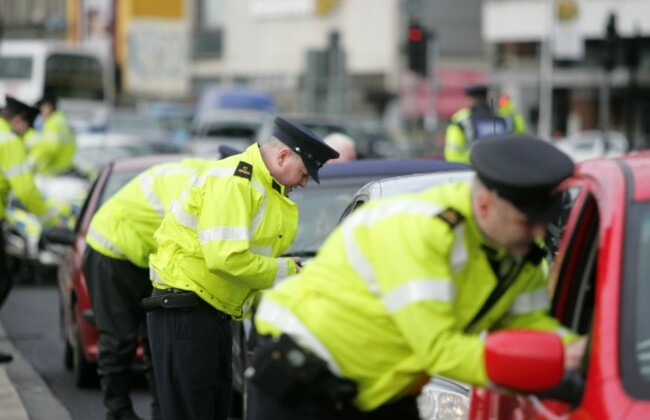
{"type": "Point", "coordinates": [283, 156]}
{"type": "Point", "coordinates": [483, 202]}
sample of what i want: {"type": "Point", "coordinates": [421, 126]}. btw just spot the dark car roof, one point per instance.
{"type": "Point", "coordinates": [386, 167]}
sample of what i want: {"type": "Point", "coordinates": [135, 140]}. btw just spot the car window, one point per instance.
{"type": "Point", "coordinates": [573, 297]}
{"type": "Point", "coordinates": [116, 181]}
{"type": "Point", "coordinates": [555, 229]}
{"type": "Point", "coordinates": [81, 214]}
{"type": "Point", "coordinates": [320, 207]}
{"type": "Point", "coordinates": [635, 343]}
{"type": "Point", "coordinates": [358, 202]}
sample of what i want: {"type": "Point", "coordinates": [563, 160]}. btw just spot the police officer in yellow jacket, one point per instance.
{"type": "Point", "coordinates": [221, 242]}
{"type": "Point", "coordinates": [16, 176]}
{"type": "Point", "coordinates": [506, 109]}
{"type": "Point", "coordinates": [471, 124]}
{"type": "Point", "coordinates": [392, 297]}
{"type": "Point", "coordinates": [116, 266]}
{"type": "Point", "coordinates": [52, 150]}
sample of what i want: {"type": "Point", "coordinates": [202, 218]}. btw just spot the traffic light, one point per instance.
{"type": "Point", "coordinates": [416, 50]}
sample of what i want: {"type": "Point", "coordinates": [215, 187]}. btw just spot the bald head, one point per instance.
{"type": "Point", "coordinates": [342, 144]}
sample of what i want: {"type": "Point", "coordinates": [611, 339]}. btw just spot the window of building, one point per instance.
{"type": "Point", "coordinates": [208, 28]}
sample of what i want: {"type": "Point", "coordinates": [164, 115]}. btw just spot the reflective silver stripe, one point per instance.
{"type": "Point", "coordinates": [182, 216]}
{"type": "Point", "coordinates": [437, 290]}
{"type": "Point", "coordinates": [468, 128]}
{"type": "Point", "coordinates": [283, 269]}
{"type": "Point", "coordinates": [562, 332]}
{"type": "Point", "coordinates": [257, 219]}
{"type": "Point", "coordinates": [177, 209]}
{"type": "Point", "coordinates": [288, 322]}
{"type": "Point", "coordinates": [223, 233]}
{"type": "Point", "coordinates": [147, 180]}
{"type": "Point", "coordinates": [146, 184]}
{"type": "Point", "coordinates": [101, 239]}
{"type": "Point", "coordinates": [459, 254]}
{"type": "Point", "coordinates": [530, 301]}
{"type": "Point", "coordinates": [18, 170]}
{"type": "Point", "coordinates": [155, 277]}
{"type": "Point", "coordinates": [265, 250]}
{"type": "Point", "coordinates": [6, 137]}
{"type": "Point", "coordinates": [366, 217]}
{"type": "Point", "coordinates": [456, 147]}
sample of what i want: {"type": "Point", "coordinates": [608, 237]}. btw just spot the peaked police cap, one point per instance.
{"type": "Point", "coordinates": [525, 171]}
{"type": "Point", "coordinates": [312, 149]}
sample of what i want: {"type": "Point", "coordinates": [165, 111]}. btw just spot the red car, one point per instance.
{"type": "Point", "coordinates": [600, 288]}
{"type": "Point", "coordinates": [78, 329]}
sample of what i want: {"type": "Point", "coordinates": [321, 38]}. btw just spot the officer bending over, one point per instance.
{"type": "Point", "coordinates": [116, 268]}
{"type": "Point", "coordinates": [218, 246]}
{"type": "Point", "coordinates": [393, 295]}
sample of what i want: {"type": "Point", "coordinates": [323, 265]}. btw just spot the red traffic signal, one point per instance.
{"type": "Point", "coordinates": [416, 50]}
{"type": "Point", "coordinates": [415, 34]}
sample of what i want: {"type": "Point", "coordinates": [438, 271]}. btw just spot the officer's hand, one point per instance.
{"type": "Point", "coordinates": [573, 354]}
{"type": "Point", "coordinates": [298, 262]}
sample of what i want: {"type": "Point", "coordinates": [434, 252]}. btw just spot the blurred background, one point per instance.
{"type": "Point", "coordinates": [194, 74]}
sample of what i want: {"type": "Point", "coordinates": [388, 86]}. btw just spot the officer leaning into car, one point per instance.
{"type": "Point", "coordinates": [116, 268]}
{"type": "Point", "coordinates": [402, 289]}
{"type": "Point", "coordinates": [16, 176]}
{"type": "Point", "coordinates": [471, 124]}
{"type": "Point", "coordinates": [220, 243]}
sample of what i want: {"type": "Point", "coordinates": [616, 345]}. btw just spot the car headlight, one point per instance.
{"type": "Point", "coordinates": [443, 399]}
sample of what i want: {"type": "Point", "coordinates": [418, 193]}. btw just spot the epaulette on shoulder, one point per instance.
{"type": "Point", "coordinates": [244, 170]}
{"type": "Point", "coordinates": [451, 216]}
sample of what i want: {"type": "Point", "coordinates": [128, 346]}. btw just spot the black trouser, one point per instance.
{"type": "Point", "coordinates": [192, 359]}
{"type": "Point", "coordinates": [5, 277]}
{"type": "Point", "coordinates": [262, 407]}
{"type": "Point", "coordinates": [313, 405]}
{"type": "Point", "coordinates": [116, 288]}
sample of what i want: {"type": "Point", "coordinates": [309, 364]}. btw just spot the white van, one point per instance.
{"type": "Point", "coordinates": [81, 76]}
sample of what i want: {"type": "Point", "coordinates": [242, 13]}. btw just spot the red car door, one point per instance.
{"type": "Point", "coordinates": [572, 243]}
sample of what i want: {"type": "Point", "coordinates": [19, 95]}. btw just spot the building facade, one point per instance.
{"type": "Point", "coordinates": [566, 70]}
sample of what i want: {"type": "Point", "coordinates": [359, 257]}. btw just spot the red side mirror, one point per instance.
{"type": "Point", "coordinates": [524, 360]}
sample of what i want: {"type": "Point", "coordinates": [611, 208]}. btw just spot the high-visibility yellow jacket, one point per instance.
{"type": "Point", "coordinates": [473, 123]}
{"type": "Point", "coordinates": [222, 239]}
{"type": "Point", "coordinates": [387, 299]}
{"type": "Point", "coordinates": [16, 176]}
{"type": "Point", "coordinates": [124, 226]}
{"type": "Point", "coordinates": [52, 150]}
{"type": "Point", "coordinates": [514, 120]}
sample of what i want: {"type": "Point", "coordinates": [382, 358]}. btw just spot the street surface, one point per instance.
{"type": "Point", "coordinates": [31, 319]}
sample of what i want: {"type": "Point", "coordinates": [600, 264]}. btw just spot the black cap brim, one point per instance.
{"type": "Point", "coordinates": [311, 148]}
{"type": "Point", "coordinates": [549, 212]}
{"type": "Point", "coordinates": [312, 169]}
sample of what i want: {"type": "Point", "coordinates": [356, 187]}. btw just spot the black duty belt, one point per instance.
{"type": "Point", "coordinates": [176, 299]}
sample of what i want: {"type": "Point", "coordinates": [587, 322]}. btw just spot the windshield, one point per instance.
{"type": "Point", "coordinates": [634, 325]}
{"type": "Point", "coordinates": [321, 207]}
{"type": "Point", "coordinates": [74, 76]}
{"type": "Point", "coordinates": [114, 183]}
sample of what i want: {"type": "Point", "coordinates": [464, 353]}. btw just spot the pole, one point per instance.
{"type": "Point", "coordinates": [431, 114]}
{"type": "Point", "coordinates": [544, 125]}
{"type": "Point", "coordinates": [604, 108]}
